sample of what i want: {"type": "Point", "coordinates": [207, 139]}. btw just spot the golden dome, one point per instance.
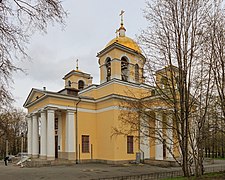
{"type": "Point", "coordinates": [125, 41]}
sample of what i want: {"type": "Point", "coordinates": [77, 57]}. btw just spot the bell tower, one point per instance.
{"type": "Point", "coordinates": [121, 58]}
{"type": "Point", "coordinates": [77, 79]}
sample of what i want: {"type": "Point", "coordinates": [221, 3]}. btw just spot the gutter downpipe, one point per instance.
{"type": "Point", "coordinates": [76, 123]}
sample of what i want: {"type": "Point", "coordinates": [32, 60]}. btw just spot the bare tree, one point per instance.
{"type": "Point", "coordinates": [179, 68]}
{"type": "Point", "coordinates": [217, 39]}
{"type": "Point", "coordinates": [19, 19]}
{"type": "Point", "coordinates": [12, 124]}
{"type": "Point", "coordinates": [215, 49]}
{"type": "Point", "coordinates": [175, 38]}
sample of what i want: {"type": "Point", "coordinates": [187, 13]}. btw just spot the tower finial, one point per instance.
{"type": "Point", "coordinates": [122, 29]}
{"type": "Point", "coordinates": [121, 15]}
{"type": "Point", "coordinates": [77, 64]}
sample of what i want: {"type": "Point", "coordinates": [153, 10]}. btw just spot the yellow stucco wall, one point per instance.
{"type": "Point", "coordinates": [109, 145]}
{"type": "Point", "coordinates": [105, 141]}
{"type": "Point", "coordinates": [119, 89]}
{"type": "Point", "coordinates": [38, 105]}
{"type": "Point", "coordinates": [121, 148]}
{"type": "Point", "coordinates": [87, 126]}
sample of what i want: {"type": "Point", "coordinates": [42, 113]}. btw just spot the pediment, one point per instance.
{"type": "Point", "coordinates": [34, 95]}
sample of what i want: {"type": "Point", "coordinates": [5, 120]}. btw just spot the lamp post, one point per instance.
{"type": "Point", "coordinates": [21, 164]}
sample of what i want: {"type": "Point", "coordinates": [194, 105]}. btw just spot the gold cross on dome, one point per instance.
{"type": "Point", "coordinates": [121, 14]}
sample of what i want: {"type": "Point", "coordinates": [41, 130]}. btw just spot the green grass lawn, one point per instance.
{"type": "Point", "coordinates": [209, 176]}
{"type": "Point", "coordinates": [220, 158]}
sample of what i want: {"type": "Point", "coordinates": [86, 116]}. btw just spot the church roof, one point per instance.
{"type": "Point", "coordinates": [125, 41]}
{"type": "Point", "coordinates": [78, 73]}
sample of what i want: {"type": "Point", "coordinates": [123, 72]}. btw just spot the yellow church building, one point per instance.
{"type": "Point", "coordinates": [76, 122]}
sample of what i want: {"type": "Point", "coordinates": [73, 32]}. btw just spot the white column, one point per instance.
{"type": "Point", "coordinates": [43, 135]}
{"type": "Point", "coordinates": [70, 135]}
{"type": "Point", "coordinates": [60, 131]}
{"type": "Point", "coordinates": [144, 138]}
{"type": "Point", "coordinates": [35, 138]}
{"type": "Point", "coordinates": [169, 139]}
{"type": "Point", "coordinates": [29, 136]}
{"type": "Point", "coordinates": [158, 135]}
{"type": "Point", "coordinates": [50, 134]}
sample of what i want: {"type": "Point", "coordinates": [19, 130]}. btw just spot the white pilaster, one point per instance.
{"type": "Point", "coordinates": [43, 135]}
{"type": "Point", "coordinates": [29, 136]}
{"type": "Point", "coordinates": [60, 131]}
{"type": "Point", "coordinates": [50, 134]}
{"type": "Point", "coordinates": [70, 134]}
{"type": "Point", "coordinates": [35, 136]}
{"type": "Point", "coordinates": [144, 138]}
{"type": "Point", "coordinates": [169, 139]}
{"type": "Point", "coordinates": [115, 69]}
{"type": "Point", "coordinates": [158, 135]}
{"type": "Point", "coordinates": [103, 74]}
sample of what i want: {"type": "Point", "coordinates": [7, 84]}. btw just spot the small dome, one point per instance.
{"type": "Point", "coordinates": [125, 41]}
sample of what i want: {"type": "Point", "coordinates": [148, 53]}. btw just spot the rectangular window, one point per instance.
{"type": "Point", "coordinates": [130, 144]}
{"type": "Point", "coordinates": [85, 144]}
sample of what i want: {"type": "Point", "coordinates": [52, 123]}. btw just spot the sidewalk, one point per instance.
{"type": "Point", "coordinates": [86, 171]}
{"type": "Point", "coordinates": [79, 171]}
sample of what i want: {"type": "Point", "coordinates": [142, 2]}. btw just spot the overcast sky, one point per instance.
{"type": "Point", "coordinates": [89, 27]}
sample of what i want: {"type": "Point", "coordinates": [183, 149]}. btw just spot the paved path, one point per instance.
{"type": "Point", "coordinates": [80, 171]}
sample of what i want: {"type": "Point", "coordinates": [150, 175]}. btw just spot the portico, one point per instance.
{"type": "Point", "coordinates": [45, 133]}
{"type": "Point", "coordinates": [162, 143]}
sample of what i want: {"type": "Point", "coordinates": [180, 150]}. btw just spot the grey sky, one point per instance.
{"type": "Point", "coordinates": [89, 27]}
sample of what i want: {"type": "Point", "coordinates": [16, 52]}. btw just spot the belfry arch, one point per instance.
{"type": "Point", "coordinates": [124, 68]}
{"type": "Point", "coordinates": [136, 73]}
{"type": "Point", "coordinates": [80, 84]}
{"type": "Point", "coordinates": [108, 68]}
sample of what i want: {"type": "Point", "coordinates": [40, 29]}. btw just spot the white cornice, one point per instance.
{"type": "Point", "coordinates": [117, 81]}
{"type": "Point", "coordinates": [73, 109]}
{"type": "Point", "coordinates": [57, 95]}
{"type": "Point", "coordinates": [109, 97]}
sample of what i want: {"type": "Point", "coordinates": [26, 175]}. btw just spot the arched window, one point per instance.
{"type": "Point", "coordinates": [69, 83]}
{"type": "Point", "coordinates": [124, 69]}
{"type": "Point", "coordinates": [80, 84]}
{"type": "Point", "coordinates": [136, 73]}
{"type": "Point", "coordinates": [108, 68]}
